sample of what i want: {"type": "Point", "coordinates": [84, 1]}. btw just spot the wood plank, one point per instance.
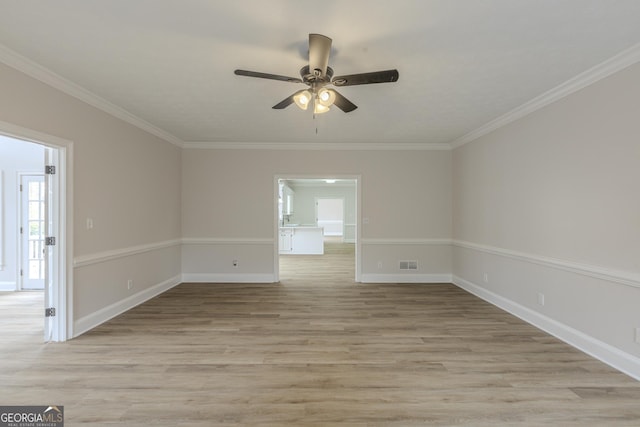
{"type": "Point", "coordinates": [316, 349]}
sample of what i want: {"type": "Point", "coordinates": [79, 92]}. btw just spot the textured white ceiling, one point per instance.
{"type": "Point", "coordinates": [462, 63]}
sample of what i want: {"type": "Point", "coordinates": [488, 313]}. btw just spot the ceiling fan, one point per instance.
{"type": "Point", "coordinates": [318, 75]}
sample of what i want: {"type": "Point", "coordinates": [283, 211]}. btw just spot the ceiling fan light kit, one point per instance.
{"type": "Point", "coordinates": [319, 108]}
{"type": "Point", "coordinates": [302, 99]}
{"type": "Point", "coordinates": [317, 75]}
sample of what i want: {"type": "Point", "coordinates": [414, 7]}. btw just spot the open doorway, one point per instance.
{"type": "Point", "coordinates": [307, 228]}
{"type": "Point", "coordinates": [22, 214]}
{"type": "Point", "coordinates": [33, 225]}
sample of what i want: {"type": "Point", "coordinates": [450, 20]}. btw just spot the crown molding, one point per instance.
{"type": "Point", "coordinates": [353, 146]}
{"type": "Point", "coordinates": [48, 77]}
{"type": "Point", "coordinates": [618, 62]}
{"type": "Point", "coordinates": [614, 64]}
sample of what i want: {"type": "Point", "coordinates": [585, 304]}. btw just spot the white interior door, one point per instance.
{"type": "Point", "coordinates": [32, 231]}
{"type": "Point", "coordinates": [51, 248]}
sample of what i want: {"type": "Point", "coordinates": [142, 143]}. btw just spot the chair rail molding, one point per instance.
{"type": "Point", "coordinates": [597, 272]}
{"type": "Point", "coordinates": [85, 260]}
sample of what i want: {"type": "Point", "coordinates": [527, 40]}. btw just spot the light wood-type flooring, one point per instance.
{"type": "Point", "coordinates": [317, 349]}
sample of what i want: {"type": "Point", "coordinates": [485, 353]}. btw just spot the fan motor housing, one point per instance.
{"type": "Point", "coordinates": [309, 77]}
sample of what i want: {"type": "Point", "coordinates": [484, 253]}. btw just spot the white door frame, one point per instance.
{"type": "Point", "coordinates": [61, 327]}
{"type": "Point", "coordinates": [276, 222]}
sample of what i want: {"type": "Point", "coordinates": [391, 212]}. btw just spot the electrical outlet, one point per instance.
{"type": "Point", "coordinates": [486, 278]}
{"type": "Point", "coordinates": [235, 263]}
{"type": "Point", "coordinates": [129, 284]}
{"type": "Point", "coordinates": [379, 264]}
{"type": "Point", "coordinates": [89, 223]}
{"type": "Point", "coordinates": [540, 298]}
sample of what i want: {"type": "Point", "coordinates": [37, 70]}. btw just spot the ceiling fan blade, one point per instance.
{"type": "Point", "coordinates": [319, 50]}
{"type": "Point", "coordinates": [387, 76]}
{"type": "Point", "coordinates": [343, 103]}
{"type": "Point", "coordinates": [284, 103]}
{"type": "Point", "coordinates": [267, 76]}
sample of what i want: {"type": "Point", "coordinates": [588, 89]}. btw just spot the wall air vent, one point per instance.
{"type": "Point", "coordinates": [408, 265]}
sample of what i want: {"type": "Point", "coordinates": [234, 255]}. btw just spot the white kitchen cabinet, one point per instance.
{"type": "Point", "coordinates": [286, 240]}
{"type": "Point", "coordinates": [301, 240]}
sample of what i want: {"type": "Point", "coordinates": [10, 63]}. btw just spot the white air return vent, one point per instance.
{"type": "Point", "coordinates": [408, 265]}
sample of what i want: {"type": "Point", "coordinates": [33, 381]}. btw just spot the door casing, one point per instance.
{"type": "Point", "coordinates": [59, 264]}
{"type": "Point", "coordinates": [276, 222]}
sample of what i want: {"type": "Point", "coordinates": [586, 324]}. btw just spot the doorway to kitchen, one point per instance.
{"type": "Point", "coordinates": [316, 225]}
{"type": "Point", "coordinates": [33, 230]}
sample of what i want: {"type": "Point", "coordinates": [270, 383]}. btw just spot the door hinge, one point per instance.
{"type": "Point", "coordinates": [20, 187]}
{"type": "Point", "coordinates": [49, 241]}
{"type": "Point", "coordinates": [50, 170]}
{"type": "Point", "coordinates": [50, 312]}
{"type": "Point", "coordinates": [21, 272]}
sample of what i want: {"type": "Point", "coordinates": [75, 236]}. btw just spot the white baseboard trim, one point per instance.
{"type": "Point", "coordinates": [92, 320]}
{"type": "Point", "coordinates": [602, 351]}
{"type": "Point", "coordinates": [405, 278]}
{"type": "Point", "coordinates": [8, 286]}
{"type": "Point", "coordinates": [227, 278]}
